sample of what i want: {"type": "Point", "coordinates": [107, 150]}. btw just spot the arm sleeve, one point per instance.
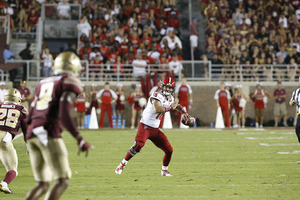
{"type": "Point", "coordinates": [65, 106]}
{"type": "Point", "coordinates": [190, 89]}
{"type": "Point", "coordinates": [99, 94]}
{"type": "Point", "coordinates": [216, 97]}
{"type": "Point", "coordinates": [113, 94]}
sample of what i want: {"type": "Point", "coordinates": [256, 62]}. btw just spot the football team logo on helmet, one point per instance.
{"type": "Point", "coordinates": [67, 62]}
{"type": "Point", "coordinates": [168, 86]}
{"type": "Point", "coordinates": [12, 95]}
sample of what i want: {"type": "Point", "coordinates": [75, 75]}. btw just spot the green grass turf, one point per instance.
{"type": "Point", "coordinates": [206, 164]}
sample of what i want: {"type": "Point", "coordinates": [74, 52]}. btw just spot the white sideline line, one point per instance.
{"type": "Point", "coordinates": [269, 138]}
{"type": "Point", "coordinates": [279, 144]}
{"type": "Point", "coordinates": [289, 152]}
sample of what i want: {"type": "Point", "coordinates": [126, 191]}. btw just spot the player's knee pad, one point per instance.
{"type": "Point", "coordinates": [136, 148]}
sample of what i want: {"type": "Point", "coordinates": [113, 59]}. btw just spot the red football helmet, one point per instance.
{"type": "Point", "coordinates": [168, 86]}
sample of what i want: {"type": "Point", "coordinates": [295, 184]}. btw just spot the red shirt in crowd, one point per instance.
{"type": "Point", "coordinates": [33, 18]}
{"type": "Point", "coordinates": [104, 51]}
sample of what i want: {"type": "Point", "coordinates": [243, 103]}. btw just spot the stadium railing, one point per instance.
{"type": "Point", "coordinates": [193, 71]}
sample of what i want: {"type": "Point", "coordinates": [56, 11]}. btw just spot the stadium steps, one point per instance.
{"type": "Point", "coordinates": [16, 46]}
{"type": "Point", "coordinates": [183, 10]}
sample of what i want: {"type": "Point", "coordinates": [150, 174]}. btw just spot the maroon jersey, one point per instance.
{"type": "Point", "coordinates": [24, 92]}
{"type": "Point", "coordinates": [278, 92]}
{"type": "Point", "coordinates": [45, 109]}
{"type": "Point", "coordinates": [11, 118]}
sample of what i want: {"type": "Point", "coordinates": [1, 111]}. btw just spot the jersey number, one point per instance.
{"type": "Point", "coordinates": [12, 116]}
{"type": "Point", "coordinates": [45, 96]}
{"type": "Point", "coordinates": [160, 116]}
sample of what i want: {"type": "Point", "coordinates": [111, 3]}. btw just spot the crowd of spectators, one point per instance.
{"type": "Point", "coordinates": [121, 33]}
{"type": "Point", "coordinates": [254, 34]}
{"type": "Point", "coordinates": [112, 32]}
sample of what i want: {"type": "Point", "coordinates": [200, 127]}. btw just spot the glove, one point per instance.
{"type": "Point", "coordinates": [83, 146]}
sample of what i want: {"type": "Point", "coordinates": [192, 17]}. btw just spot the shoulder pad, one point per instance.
{"type": "Point", "coordinates": [73, 84]}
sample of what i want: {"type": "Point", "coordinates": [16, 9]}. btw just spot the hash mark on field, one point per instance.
{"type": "Point", "coordinates": [279, 144]}
{"type": "Point", "coordinates": [289, 152]}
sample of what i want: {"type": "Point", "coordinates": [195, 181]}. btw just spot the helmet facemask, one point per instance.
{"type": "Point", "coordinates": [167, 89]}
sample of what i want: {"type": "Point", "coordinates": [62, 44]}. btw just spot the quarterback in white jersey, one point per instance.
{"type": "Point", "coordinates": [158, 103]}
{"type": "Point", "coordinates": [152, 118]}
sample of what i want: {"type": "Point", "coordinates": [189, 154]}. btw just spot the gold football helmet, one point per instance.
{"type": "Point", "coordinates": [67, 62]}
{"type": "Point", "coordinates": [12, 95]}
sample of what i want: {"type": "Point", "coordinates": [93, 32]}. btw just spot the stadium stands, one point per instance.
{"type": "Point", "coordinates": [253, 32]}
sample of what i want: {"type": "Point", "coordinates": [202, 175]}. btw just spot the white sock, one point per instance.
{"type": "Point", "coordinates": [164, 167]}
{"type": "Point", "coordinates": [124, 162]}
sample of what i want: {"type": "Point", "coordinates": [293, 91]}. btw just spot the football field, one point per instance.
{"type": "Point", "coordinates": [206, 164]}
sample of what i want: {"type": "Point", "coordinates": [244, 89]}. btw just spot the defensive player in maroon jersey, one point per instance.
{"type": "Point", "coordinates": [50, 112]}
{"type": "Point", "coordinates": [148, 128]}
{"type": "Point", "coordinates": [12, 117]}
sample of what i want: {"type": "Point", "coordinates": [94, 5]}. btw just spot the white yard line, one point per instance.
{"type": "Point", "coordinates": [289, 152]}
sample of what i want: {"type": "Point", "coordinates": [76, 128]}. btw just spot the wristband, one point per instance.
{"type": "Point", "coordinates": [168, 108]}
{"type": "Point", "coordinates": [81, 143]}
{"type": "Point", "coordinates": [182, 110]}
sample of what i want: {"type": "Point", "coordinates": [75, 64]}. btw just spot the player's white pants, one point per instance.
{"type": "Point", "coordinates": [8, 154]}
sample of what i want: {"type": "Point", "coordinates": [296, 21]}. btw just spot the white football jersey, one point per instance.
{"type": "Point", "coordinates": [149, 117]}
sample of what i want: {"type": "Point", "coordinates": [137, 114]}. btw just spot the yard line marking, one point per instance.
{"type": "Point", "coordinates": [17, 136]}
{"type": "Point", "coordinates": [289, 152]}
{"type": "Point", "coordinates": [279, 144]}
{"type": "Point", "coordinates": [269, 138]}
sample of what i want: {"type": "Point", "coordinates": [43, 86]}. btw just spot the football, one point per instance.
{"type": "Point", "coordinates": [188, 120]}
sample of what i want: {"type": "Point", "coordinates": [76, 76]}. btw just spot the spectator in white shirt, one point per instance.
{"type": "Point", "coordinates": [139, 66]}
{"type": "Point", "coordinates": [48, 61]}
{"type": "Point", "coordinates": [171, 38]}
{"type": "Point", "coordinates": [283, 19]}
{"type": "Point", "coordinates": [154, 53]}
{"type": "Point", "coordinates": [63, 9]}
{"type": "Point", "coordinates": [175, 66]}
{"type": "Point", "coordinates": [84, 27]}
{"type": "Point", "coordinates": [2, 91]}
